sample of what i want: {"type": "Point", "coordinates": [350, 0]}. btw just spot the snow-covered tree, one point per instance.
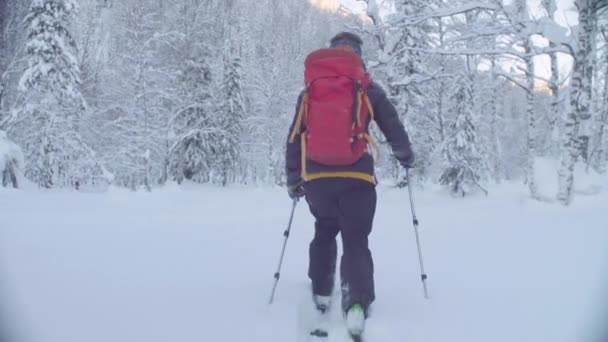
{"type": "Point", "coordinates": [5, 16]}
{"type": "Point", "coordinates": [173, 92]}
{"type": "Point", "coordinates": [232, 115]}
{"type": "Point", "coordinates": [133, 104]}
{"type": "Point", "coordinates": [598, 156]}
{"type": "Point", "coordinates": [521, 8]}
{"type": "Point", "coordinates": [577, 123]}
{"type": "Point", "coordinates": [410, 73]}
{"type": "Point", "coordinates": [463, 169]}
{"type": "Point", "coordinates": [12, 35]}
{"type": "Point", "coordinates": [55, 153]}
{"type": "Point", "coordinates": [193, 128]}
{"type": "Point", "coordinates": [492, 105]}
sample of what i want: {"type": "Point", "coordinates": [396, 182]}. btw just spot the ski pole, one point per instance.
{"type": "Point", "coordinates": [423, 275]}
{"type": "Point", "coordinates": [277, 274]}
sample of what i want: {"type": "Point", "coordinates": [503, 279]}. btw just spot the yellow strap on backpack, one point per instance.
{"type": "Point", "coordinates": [370, 109]}
{"type": "Point", "coordinates": [303, 111]}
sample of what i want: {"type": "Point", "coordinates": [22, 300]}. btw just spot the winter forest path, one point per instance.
{"type": "Point", "coordinates": [196, 264]}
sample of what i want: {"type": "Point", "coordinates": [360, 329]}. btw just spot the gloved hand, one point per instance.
{"type": "Point", "coordinates": [408, 161]}
{"type": "Point", "coordinates": [296, 190]}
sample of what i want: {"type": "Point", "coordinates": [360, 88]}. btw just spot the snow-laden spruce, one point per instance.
{"type": "Point", "coordinates": [464, 169]}
{"type": "Point", "coordinates": [50, 116]}
{"type": "Point", "coordinates": [233, 110]}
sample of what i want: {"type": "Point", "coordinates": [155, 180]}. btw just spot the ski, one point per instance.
{"type": "Point", "coordinates": [315, 319]}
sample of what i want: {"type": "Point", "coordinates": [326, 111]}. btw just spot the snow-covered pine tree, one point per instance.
{"type": "Point", "coordinates": [231, 118]}
{"type": "Point", "coordinates": [12, 35]}
{"type": "Point", "coordinates": [487, 144]}
{"type": "Point", "coordinates": [463, 169]}
{"type": "Point", "coordinates": [193, 129]}
{"type": "Point", "coordinates": [408, 76]}
{"type": "Point", "coordinates": [232, 108]}
{"type": "Point", "coordinates": [491, 90]}
{"type": "Point", "coordinates": [56, 154]}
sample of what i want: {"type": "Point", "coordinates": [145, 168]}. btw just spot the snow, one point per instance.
{"type": "Point", "coordinates": [195, 263]}
{"type": "Point", "coordinates": [586, 182]}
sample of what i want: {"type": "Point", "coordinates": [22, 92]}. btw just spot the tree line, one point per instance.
{"type": "Point", "coordinates": [139, 92]}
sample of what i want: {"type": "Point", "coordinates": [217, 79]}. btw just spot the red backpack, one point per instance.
{"type": "Point", "coordinates": [334, 111]}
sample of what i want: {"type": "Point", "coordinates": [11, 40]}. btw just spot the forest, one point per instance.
{"type": "Point", "coordinates": [138, 93]}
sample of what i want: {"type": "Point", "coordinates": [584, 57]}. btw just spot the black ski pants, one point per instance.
{"type": "Point", "coordinates": [346, 206]}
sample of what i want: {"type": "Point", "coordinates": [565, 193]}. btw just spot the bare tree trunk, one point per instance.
{"type": "Point", "coordinates": [442, 88]}
{"type": "Point", "coordinates": [530, 115]}
{"type": "Point", "coordinates": [580, 102]}
{"type": "Point", "coordinates": [499, 169]}
{"type": "Point", "coordinates": [598, 155]}
{"type": "Point", "coordinates": [147, 134]}
{"type": "Point", "coordinates": [555, 112]}
{"type": "Point", "coordinates": [530, 171]}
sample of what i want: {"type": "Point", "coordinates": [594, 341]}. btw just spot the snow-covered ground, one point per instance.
{"type": "Point", "coordinates": [195, 263]}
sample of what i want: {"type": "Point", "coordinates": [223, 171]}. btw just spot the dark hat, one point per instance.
{"type": "Point", "coordinates": [347, 38]}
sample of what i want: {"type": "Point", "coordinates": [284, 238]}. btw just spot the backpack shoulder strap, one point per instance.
{"type": "Point", "coordinates": [360, 97]}
{"type": "Point", "coordinates": [368, 83]}
{"type": "Point", "coordinates": [370, 109]}
{"type": "Point", "coordinates": [297, 128]}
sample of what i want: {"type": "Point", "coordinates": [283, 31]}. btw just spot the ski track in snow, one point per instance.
{"type": "Point", "coordinates": [195, 264]}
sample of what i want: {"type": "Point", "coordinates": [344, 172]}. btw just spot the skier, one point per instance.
{"type": "Point", "coordinates": [328, 160]}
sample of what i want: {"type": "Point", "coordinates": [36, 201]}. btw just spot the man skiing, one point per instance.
{"type": "Point", "coordinates": [328, 161]}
